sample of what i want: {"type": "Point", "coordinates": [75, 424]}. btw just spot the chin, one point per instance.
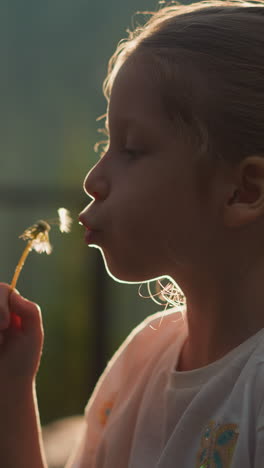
{"type": "Point", "coordinates": [128, 273]}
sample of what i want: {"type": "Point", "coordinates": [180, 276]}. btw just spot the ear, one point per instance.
{"type": "Point", "coordinates": [245, 202]}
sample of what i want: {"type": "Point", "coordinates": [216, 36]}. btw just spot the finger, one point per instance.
{"type": "Point", "coordinates": [4, 306]}
{"type": "Point", "coordinates": [28, 312]}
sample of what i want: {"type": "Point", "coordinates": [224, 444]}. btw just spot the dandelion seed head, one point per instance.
{"type": "Point", "coordinates": [42, 243]}
{"type": "Point", "coordinates": [33, 232]}
{"type": "Point", "coordinates": [38, 234]}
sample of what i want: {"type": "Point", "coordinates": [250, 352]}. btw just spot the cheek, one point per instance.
{"type": "Point", "coordinates": [143, 216]}
{"type": "Point", "coordinates": [136, 235]}
{"type": "Point", "coordinates": [133, 249]}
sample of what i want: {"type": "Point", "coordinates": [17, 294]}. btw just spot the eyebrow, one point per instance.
{"type": "Point", "coordinates": [126, 122]}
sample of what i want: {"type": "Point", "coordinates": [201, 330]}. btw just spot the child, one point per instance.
{"type": "Point", "coordinates": [179, 192]}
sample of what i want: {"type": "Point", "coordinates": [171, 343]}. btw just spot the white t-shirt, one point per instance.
{"type": "Point", "coordinates": [144, 414]}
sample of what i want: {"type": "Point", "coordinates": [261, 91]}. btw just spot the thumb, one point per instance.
{"type": "Point", "coordinates": [24, 314]}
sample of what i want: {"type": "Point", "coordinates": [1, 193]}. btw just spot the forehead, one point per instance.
{"type": "Point", "coordinates": [136, 93]}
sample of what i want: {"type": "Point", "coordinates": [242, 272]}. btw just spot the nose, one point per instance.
{"type": "Point", "coordinates": [95, 187]}
{"type": "Point", "coordinates": [85, 185]}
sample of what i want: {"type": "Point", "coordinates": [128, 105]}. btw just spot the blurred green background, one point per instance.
{"type": "Point", "coordinates": [54, 58]}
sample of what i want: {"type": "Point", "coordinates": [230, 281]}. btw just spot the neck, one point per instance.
{"type": "Point", "coordinates": [221, 319]}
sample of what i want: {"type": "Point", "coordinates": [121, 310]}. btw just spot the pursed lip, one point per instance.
{"type": "Point", "coordinates": [90, 236]}
{"type": "Point", "coordinates": [86, 224]}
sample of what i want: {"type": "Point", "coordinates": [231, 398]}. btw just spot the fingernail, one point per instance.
{"type": "Point", "coordinates": [15, 321]}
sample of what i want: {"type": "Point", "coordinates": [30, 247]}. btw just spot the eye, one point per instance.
{"type": "Point", "coordinates": [132, 152]}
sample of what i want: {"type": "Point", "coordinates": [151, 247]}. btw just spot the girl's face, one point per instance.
{"type": "Point", "coordinates": [147, 211]}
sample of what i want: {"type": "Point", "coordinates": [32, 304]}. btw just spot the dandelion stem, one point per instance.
{"type": "Point", "coordinates": [21, 264]}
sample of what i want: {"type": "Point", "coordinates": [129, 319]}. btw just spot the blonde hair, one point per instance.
{"type": "Point", "coordinates": [210, 56]}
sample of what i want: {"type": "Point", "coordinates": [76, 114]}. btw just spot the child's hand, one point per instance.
{"type": "Point", "coordinates": [21, 337]}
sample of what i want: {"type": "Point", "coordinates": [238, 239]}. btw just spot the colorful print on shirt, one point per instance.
{"type": "Point", "coordinates": [106, 408]}
{"type": "Point", "coordinates": [217, 445]}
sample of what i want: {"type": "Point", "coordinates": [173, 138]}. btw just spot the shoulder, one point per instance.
{"type": "Point", "coordinates": [147, 338]}
{"type": "Point", "coordinates": [152, 333]}
{"type": "Point", "coordinates": [145, 341]}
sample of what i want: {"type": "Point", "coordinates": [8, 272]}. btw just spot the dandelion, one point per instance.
{"type": "Point", "coordinates": [38, 238]}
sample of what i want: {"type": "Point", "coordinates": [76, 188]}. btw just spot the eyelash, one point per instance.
{"type": "Point", "coordinates": [130, 151]}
